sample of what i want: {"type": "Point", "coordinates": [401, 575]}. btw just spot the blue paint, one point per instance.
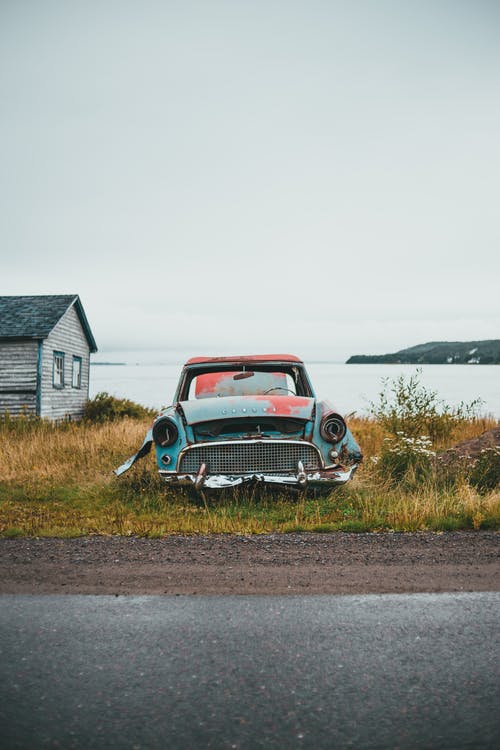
{"type": "Point", "coordinates": [38, 407]}
{"type": "Point", "coordinates": [353, 449]}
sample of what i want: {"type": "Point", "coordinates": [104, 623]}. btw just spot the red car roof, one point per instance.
{"type": "Point", "coordinates": [245, 359]}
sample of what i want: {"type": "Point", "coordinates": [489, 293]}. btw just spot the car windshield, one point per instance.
{"type": "Point", "coordinates": [245, 381]}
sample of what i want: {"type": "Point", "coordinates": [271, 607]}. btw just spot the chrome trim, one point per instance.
{"type": "Point", "coordinates": [221, 481]}
{"type": "Point", "coordinates": [301, 474]}
{"type": "Point", "coordinates": [200, 477]}
{"type": "Point", "coordinates": [252, 441]}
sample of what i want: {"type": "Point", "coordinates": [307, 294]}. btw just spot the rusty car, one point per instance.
{"type": "Point", "coordinates": [249, 419]}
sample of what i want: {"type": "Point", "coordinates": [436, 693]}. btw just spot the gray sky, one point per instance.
{"type": "Point", "coordinates": [319, 177]}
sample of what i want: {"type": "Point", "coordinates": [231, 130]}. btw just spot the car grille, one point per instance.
{"type": "Point", "coordinates": [250, 457]}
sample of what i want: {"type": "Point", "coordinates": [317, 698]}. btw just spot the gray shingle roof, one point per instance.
{"type": "Point", "coordinates": [35, 316]}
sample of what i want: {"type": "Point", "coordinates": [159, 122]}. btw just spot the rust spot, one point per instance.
{"type": "Point", "coordinates": [287, 405]}
{"type": "Point", "coordinates": [245, 359]}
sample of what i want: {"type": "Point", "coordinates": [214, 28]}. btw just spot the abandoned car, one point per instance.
{"type": "Point", "coordinates": [237, 420]}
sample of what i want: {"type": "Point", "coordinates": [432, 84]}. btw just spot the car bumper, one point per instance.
{"type": "Point", "coordinates": [301, 480]}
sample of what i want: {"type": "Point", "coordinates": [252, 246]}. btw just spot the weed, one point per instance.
{"type": "Point", "coordinates": [12, 532]}
{"type": "Point", "coordinates": [323, 528]}
{"type": "Point", "coordinates": [447, 523]}
{"type": "Point", "coordinates": [406, 406]}
{"type": "Point", "coordinates": [485, 473]}
{"type": "Point", "coordinates": [406, 460]}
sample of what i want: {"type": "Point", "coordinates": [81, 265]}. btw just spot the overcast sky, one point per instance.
{"type": "Point", "coordinates": [246, 175]}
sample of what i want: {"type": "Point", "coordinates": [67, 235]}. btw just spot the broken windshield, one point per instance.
{"type": "Point", "coordinates": [245, 380]}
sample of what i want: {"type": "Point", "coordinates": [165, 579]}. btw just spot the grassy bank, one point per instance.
{"type": "Point", "coordinates": [56, 480]}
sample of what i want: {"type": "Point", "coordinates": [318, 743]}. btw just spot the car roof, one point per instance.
{"type": "Point", "coordinates": [245, 359]}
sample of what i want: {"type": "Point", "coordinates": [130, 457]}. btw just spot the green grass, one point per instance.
{"type": "Point", "coordinates": [119, 507]}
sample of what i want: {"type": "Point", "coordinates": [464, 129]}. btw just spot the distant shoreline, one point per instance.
{"type": "Point", "coordinates": [113, 364]}
{"type": "Point", "coordinates": [437, 353]}
{"type": "Point", "coordinates": [370, 361]}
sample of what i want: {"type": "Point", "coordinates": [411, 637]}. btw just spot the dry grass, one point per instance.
{"type": "Point", "coordinates": [70, 453]}
{"type": "Point", "coordinates": [368, 433]}
{"type": "Point", "coordinates": [470, 429]}
{"type": "Point", "coordinates": [58, 481]}
{"type": "Point", "coordinates": [428, 506]}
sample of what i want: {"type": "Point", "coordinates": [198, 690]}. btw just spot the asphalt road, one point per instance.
{"type": "Point", "coordinates": [376, 671]}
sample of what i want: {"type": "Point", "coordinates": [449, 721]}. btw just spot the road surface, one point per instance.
{"type": "Point", "coordinates": [137, 672]}
{"type": "Point", "coordinates": [340, 563]}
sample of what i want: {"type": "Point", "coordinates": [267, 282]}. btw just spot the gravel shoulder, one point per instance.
{"type": "Point", "coordinates": [265, 564]}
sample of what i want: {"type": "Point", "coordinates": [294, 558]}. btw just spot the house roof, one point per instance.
{"type": "Point", "coordinates": [34, 317]}
{"type": "Point", "coordinates": [244, 359]}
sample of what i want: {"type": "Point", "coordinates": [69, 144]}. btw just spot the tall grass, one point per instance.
{"type": "Point", "coordinates": [38, 451]}
{"type": "Point", "coordinates": [58, 480]}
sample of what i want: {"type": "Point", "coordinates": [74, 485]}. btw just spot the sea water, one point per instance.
{"type": "Point", "coordinates": [150, 378]}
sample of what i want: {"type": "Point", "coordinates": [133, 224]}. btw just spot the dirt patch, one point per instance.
{"type": "Point", "coordinates": [471, 449]}
{"type": "Point", "coordinates": [267, 564]}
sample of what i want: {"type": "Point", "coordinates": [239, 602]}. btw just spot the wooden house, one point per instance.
{"type": "Point", "coordinates": [45, 346]}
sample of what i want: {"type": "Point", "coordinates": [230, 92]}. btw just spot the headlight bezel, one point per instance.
{"type": "Point", "coordinates": [165, 432]}
{"type": "Point", "coordinates": [333, 428]}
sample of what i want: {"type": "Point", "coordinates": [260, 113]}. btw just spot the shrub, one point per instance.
{"type": "Point", "coordinates": [485, 473]}
{"type": "Point", "coordinates": [407, 407]}
{"type": "Point", "coordinates": [107, 408]}
{"type": "Point", "coordinates": [407, 460]}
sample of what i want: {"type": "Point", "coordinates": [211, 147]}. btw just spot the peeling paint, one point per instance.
{"type": "Point", "coordinates": [235, 407]}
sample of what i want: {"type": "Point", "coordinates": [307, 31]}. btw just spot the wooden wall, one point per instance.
{"type": "Point", "coordinates": [68, 337]}
{"type": "Point", "coordinates": [18, 376]}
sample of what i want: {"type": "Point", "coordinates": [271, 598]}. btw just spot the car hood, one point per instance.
{"type": "Point", "coordinates": [238, 407]}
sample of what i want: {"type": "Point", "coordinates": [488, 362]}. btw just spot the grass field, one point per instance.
{"type": "Point", "coordinates": [56, 480]}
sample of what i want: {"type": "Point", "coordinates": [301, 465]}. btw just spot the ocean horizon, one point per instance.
{"type": "Point", "coordinates": [150, 377]}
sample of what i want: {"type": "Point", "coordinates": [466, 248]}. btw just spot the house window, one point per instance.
{"type": "Point", "coordinates": [76, 378]}
{"type": "Point", "coordinates": [58, 370]}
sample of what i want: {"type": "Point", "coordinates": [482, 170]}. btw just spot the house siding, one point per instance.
{"type": "Point", "coordinates": [67, 337]}
{"type": "Point", "coordinates": [18, 376]}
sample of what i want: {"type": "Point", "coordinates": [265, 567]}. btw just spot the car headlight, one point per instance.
{"type": "Point", "coordinates": [165, 432]}
{"type": "Point", "coordinates": [333, 428]}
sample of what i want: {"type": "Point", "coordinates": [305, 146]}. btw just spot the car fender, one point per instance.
{"type": "Point", "coordinates": [143, 451]}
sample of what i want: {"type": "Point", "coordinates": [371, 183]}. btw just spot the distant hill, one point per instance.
{"type": "Point", "coordinates": [437, 353]}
